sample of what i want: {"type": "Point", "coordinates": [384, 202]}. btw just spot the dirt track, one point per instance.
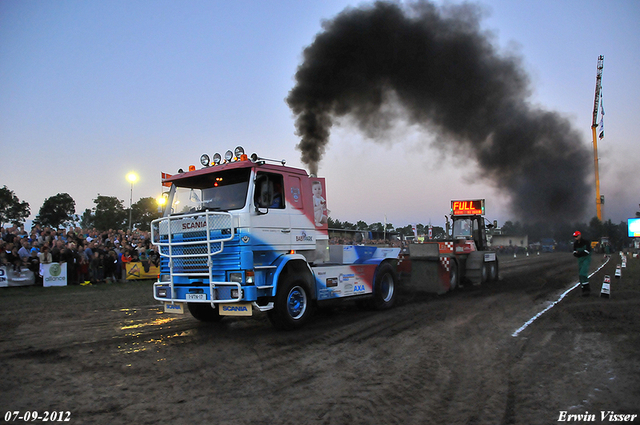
{"type": "Point", "coordinates": [108, 356]}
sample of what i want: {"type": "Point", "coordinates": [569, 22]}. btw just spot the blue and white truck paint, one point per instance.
{"type": "Point", "coordinates": [244, 235]}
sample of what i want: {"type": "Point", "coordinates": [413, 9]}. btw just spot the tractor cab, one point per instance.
{"type": "Point", "coordinates": [470, 228]}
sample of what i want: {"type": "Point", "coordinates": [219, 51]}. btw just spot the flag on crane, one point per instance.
{"type": "Point", "coordinates": [601, 125]}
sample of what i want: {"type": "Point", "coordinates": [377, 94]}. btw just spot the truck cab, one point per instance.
{"type": "Point", "coordinates": [249, 234]}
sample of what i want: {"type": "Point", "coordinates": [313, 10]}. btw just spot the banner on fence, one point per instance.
{"type": "Point", "coordinates": [54, 274]}
{"type": "Point", "coordinates": [141, 270]}
{"type": "Point", "coordinates": [11, 277]}
{"type": "Point", "coordinates": [4, 279]}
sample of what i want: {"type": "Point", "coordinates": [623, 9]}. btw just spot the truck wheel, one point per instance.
{"type": "Point", "coordinates": [384, 288]}
{"type": "Point", "coordinates": [493, 271]}
{"type": "Point", "coordinates": [204, 312]}
{"type": "Point", "coordinates": [292, 307]}
{"type": "Point", "coordinates": [453, 275]}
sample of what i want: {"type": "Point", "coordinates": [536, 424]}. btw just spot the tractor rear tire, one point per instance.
{"type": "Point", "coordinates": [484, 273]}
{"type": "Point", "coordinates": [493, 271]}
{"type": "Point", "coordinates": [453, 275]}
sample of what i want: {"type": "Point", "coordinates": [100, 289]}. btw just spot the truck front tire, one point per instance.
{"type": "Point", "coordinates": [293, 306]}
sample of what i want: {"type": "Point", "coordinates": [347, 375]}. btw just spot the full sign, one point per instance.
{"type": "Point", "coordinates": [475, 207]}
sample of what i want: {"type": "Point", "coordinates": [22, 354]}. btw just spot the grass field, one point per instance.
{"type": "Point", "coordinates": [82, 298]}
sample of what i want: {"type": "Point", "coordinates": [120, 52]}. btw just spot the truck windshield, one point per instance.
{"type": "Point", "coordinates": [223, 191]}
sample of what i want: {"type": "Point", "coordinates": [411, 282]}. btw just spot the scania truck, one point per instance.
{"type": "Point", "coordinates": [246, 234]}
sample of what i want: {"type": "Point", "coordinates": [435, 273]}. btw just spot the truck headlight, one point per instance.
{"type": "Point", "coordinates": [165, 278]}
{"type": "Point", "coordinates": [235, 277]}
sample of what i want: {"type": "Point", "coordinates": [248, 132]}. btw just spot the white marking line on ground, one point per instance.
{"type": "Point", "coordinates": [533, 319]}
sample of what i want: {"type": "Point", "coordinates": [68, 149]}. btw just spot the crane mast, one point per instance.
{"type": "Point", "coordinates": [594, 125]}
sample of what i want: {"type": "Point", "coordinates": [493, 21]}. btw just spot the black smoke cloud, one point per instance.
{"type": "Point", "coordinates": [442, 73]}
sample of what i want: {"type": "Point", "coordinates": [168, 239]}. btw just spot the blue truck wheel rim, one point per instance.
{"type": "Point", "coordinates": [296, 302]}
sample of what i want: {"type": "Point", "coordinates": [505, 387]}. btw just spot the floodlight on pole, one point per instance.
{"type": "Point", "coordinates": [162, 201]}
{"type": "Point", "coordinates": [132, 177]}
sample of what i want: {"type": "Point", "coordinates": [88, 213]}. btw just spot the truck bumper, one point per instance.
{"type": "Point", "coordinates": [214, 293]}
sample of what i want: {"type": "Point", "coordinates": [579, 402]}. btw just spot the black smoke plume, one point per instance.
{"type": "Point", "coordinates": [434, 67]}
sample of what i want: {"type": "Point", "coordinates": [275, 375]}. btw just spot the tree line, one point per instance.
{"type": "Point", "coordinates": [59, 211]}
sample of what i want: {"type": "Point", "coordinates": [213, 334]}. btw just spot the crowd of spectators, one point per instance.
{"type": "Point", "coordinates": [91, 256]}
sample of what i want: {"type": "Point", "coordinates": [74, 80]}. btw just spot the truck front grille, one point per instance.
{"type": "Point", "coordinates": [188, 252]}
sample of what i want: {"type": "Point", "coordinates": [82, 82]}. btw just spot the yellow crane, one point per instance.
{"type": "Point", "coordinates": [594, 125]}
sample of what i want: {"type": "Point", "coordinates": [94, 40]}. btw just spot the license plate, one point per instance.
{"type": "Point", "coordinates": [197, 297]}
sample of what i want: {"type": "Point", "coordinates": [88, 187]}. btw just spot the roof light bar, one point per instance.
{"type": "Point", "coordinates": [204, 160]}
{"type": "Point", "coordinates": [237, 155]}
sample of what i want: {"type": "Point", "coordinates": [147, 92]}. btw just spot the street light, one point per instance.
{"type": "Point", "coordinates": [162, 201]}
{"type": "Point", "coordinates": [132, 177]}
